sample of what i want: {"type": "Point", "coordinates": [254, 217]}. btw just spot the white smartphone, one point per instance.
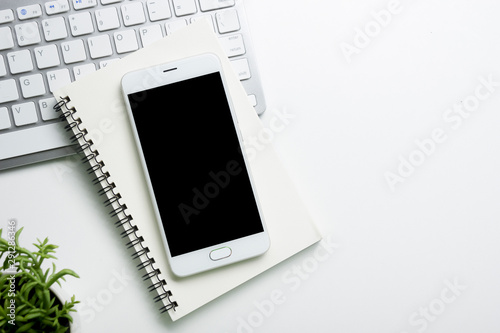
{"type": "Point", "coordinates": [197, 172]}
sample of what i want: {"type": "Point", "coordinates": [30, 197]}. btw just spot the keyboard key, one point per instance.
{"type": "Point", "coordinates": [133, 14]}
{"type": "Point", "coordinates": [107, 2]}
{"type": "Point", "coordinates": [82, 4]}
{"type": "Point", "coordinates": [58, 79]}
{"type": "Point", "coordinates": [56, 7]}
{"type": "Point", "coordinates": [47, 56]}
{"type": "Point", "coordinates": [81, 24]}
{"type": "Point", "coordinates": [233, 45]}
{"type": "Point", "coordinates": [126, 41]}
{"type": "Point", "coordinates": [47, 108]}
{"type": "Point", "coordinates": [8, 91]}
{"type": "Point", "coordinates": [6, 40]}
{"type": "Point", "coordinates": [28, 12]}
{"type": "Point", "coordinates": [184, 7]}
{"type": "Point", "coordinates": [20, 61]}
{"type": "Point", "coordinates": [4, 119]}
{"type": "Point", "coordinates": [107, 19]}
{"type": "Point", "coordinates": [73, 51]}
{"type": "Point", "coordinates": [150, 34]}
{"type": "Point", "coordinates": [106, 62]}
{"type": "Point", "coordinates": [3, 68]}
{"type": "Point", "coordinates": [206, 5]}
{"type": "Point", "coordinates": [24, 114]}
{"type": "Point", "coordinates": [158, 10]}
{"type": "Point", "coordinates": [253, 100]}
{"type": "Point", "coordinates": [172, 26]}
{"type": "Point", "coordinates": [54, 29]}
{"type": "Point", "coordinates": [41, 138]}
{"type": "Point", "coordinates": [82, 70]}
{"type": "Point", "coordinates": [28, 33]}
{"type": "Point", "coordinates": [227, 21]}
{"type": "Point", "coordinates": [6, 15]}
{"type": "Point", "coordinates": [100, 46]}
{"type": "Point", "coordinates": [241, 68]}
{"type": "Point", "coordinates": [32, 85]}
{"type": "Point", "coordinates": [207, 17]}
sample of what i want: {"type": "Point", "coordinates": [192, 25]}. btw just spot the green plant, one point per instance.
{"type": "Point", "coordinates": [27, 304]}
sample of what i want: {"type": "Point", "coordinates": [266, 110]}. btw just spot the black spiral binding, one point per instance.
{"type": "Point", "coordinates": [119, 209]}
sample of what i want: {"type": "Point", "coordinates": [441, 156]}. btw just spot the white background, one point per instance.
{"type": "Point", "coordinates": [420, 256]}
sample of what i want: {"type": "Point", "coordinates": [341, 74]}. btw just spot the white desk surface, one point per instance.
{"type": "Point", "coordinates": [419, 257]}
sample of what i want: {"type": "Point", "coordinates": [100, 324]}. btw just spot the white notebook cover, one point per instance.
{"type": "Point", "coordinates": [98, 100]}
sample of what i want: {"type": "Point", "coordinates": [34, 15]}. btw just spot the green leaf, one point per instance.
{"type": "Point", "coordinates": [32, 316]}
{"type": "Point", "coordinates": [46, 298]}
{"type": "Point", "coordinates": [17, 235]}
{"type": "Point", "coordinates": [46, 274]}
{"type": "Point", "coordinates": [54, 277]}
{"type": "Point", "coordinates": [25, 327]}
{"type": "Point", "coordinates": [67, 316]}
{"type": "Point", "coordinates": [52, 300]}
{"type": "Point", "coordinates": [21, 307]}
{"type": "Point", "coordinates": [39, 294]}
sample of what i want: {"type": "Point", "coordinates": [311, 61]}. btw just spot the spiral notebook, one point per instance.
{"type": "Point", "coordinates": [95, 111]}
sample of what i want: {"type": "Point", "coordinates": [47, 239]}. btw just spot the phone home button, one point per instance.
{"type": "Point", "coordinates": [221, 253]}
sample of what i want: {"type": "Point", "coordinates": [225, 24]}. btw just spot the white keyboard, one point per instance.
{"type": "Point", "coordinates": [47, 44]}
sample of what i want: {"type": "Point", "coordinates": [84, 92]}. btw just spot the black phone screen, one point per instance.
{"type": "Point", "coordinates": [194, 159]}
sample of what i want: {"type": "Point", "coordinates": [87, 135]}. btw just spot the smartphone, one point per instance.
{"type": "Point", "coordinates": [194, 164]}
